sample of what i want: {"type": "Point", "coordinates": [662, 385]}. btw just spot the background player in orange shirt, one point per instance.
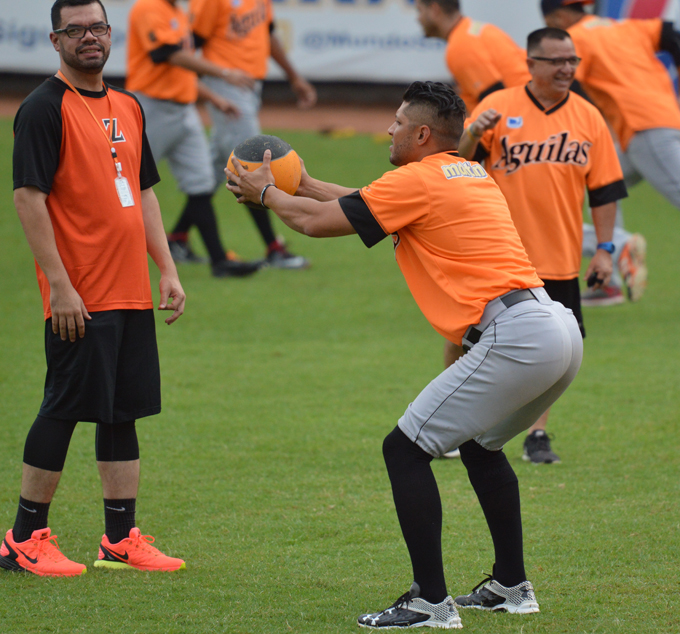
{"type": "Point", "coordinates": [240, 36]}
{"type": "Point", "coordinates": [466, 267]}
{"type": "Point", "coordinates": [632, 88]}
{"type": "Point", "coordinates": [89, 221]}
{"type": "Point", "coordinates": [162, 72]}
{"type": "Point", "coordinates": [480, 57]}
{"type": "Point", "coordinates": [544, 134]}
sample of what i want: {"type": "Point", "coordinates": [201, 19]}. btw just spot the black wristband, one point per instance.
{"type": "Point", "coordinates": [264, 191]}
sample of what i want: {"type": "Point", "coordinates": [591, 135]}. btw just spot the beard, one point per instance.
{"type": "Point", "coordinates": [88, 66]}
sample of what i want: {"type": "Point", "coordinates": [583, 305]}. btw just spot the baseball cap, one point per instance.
{"type": "Point", "coordinates": [548, 6]}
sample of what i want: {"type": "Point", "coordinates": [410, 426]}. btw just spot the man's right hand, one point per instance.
{"type": "Point", "coordinates": [238, 78]}
{"type": "Point", "coordinates": [68, 312]}
{"type": "Point", "coordinates": [485, 121]}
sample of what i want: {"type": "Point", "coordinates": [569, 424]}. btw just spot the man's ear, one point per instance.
{"type": "Point", "coordinates": [54, 38]}
{"type": "Point", "coordinates": [424, 133]}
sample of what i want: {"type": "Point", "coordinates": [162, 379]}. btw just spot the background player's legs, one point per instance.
{"type": "Point", "coordinates": [655, 154]}
{"type": "Point", "coordinates": [227, 132]}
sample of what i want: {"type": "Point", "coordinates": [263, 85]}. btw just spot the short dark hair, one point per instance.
{"type": "Point", "coordinates": [442, 109]}
{"type": "Point", "coordinates": [535, 38]}
{"type": "Point", "coordinates": [549, 6]}
{"type": "Point", "coordinates": [60, 4]}
{"type": "Point", "coordinates": [448, 6]}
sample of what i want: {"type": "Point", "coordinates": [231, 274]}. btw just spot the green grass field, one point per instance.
{"type": "Point", "coordinates": [265, 472]}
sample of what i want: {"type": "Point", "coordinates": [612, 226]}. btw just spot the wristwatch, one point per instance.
{"type": "Point", "coordinates": [606, 246]}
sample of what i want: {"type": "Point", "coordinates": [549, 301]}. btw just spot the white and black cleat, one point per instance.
{"type": "Point", "coordinates": [409, 610]}
{"type": "Point", "coordinates": [491, 595]}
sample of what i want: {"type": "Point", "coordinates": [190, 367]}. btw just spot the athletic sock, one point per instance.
{"type": "Point", "coordinates": [31, 516]}
{"type": "Point", "coordinates": [199, 211]}
{"type": "Point", "coordinates": [264, 225]}
{"type": "Point", "coordinates": [419, 509]}
{"type": "Point", "coordinates": [497, 489]}
{"type": "Point", "coordinates": [119, 517]}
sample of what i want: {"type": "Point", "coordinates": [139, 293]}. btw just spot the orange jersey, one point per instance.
{"type": "Point", "coordinates": [236, 34]}
{"type": "Point", "coordinates": [153, 25]}
{"type": "Point", "coordinates": [453, 237]}
{"type": "Point", "coordinates": [622, 75]}
{"type": "Point", "coordinates": [60, 149]}
{"type": "Point", "coordinates": [543, 161]}
{"type": "Point", "coordinates": [481, 56]}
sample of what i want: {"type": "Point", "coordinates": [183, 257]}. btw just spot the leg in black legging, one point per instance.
{"type": "Point", "coordinates": [199, 211]}
{"type": "Point", "coordinates": [419, 509]}
{"type": "Point", "coordinates": [264, 224]}
{"type": "Point", "coordinates": [497, 489]}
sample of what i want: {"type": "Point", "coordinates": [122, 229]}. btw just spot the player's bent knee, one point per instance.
{"type": "Point", "coordinates": [399, 449]}
{"type": "Point", "coordinates": [116, 442]}
{"type": "Point", "coordinates": [487, 470]}
{"type": "Point", "coordinates": [47, 443]}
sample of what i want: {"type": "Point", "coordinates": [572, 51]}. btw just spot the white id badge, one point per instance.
{"type": "Point", "coordinates": [124, 192]}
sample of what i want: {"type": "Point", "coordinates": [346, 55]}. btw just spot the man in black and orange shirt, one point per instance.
{"type": "Point", "coordinates": [543, 133]}
{"type": "Point", "coordinates": [465, 266]}
{"type": "Point", "coordinates": [83, 177]}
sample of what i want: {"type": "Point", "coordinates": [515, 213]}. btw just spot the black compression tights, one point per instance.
{"type": "Point", "coordinates": [418, 505]}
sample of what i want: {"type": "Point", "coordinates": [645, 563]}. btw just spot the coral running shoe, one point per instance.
{"type": "Point", "coordinates": [40, 555]}
{"type": "Point", "coordinates": [135, 552]}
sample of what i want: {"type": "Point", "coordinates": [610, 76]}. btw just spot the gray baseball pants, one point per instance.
{"type": "Point", "coordinates": [176, 133]}
{"type": "Point", "coordinates": [227, 132]}
{"type": "Point", "coordinates": [525, 359]}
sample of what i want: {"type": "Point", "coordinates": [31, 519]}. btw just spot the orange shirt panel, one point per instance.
{"type": "Point", "coordinates": [455, 242]}
{"type": "Point", "coordinates": [543, 163]}
{"type": "Point", "coordinates": [152, 24]}
{"type": "Point", "coordinates": [480, 55]}
{"type": "Point", "coordinates": [101, 243]}
{"type": "Point", "coordinates": [237, 34]}
{"type": "Point", "coordinates": [622, 75]}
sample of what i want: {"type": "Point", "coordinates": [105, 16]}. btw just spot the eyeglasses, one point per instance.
{"type": "Point", "coordinates": [78, 32]}
{"type": "Point", "coordinates": [559, 61]}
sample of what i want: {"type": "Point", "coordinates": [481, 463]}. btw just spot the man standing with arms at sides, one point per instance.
{"type": "Point", "coordinates": [632, 88]}
{"type": "Point", "coordinates": [162, 72]}
{"type": "Point", "coordinates": [466, 267]}
{"type": "Point", "coordinates": [83, 173]}
{"type": "Point", "coordinates": [240, 36]}
{"type": "Point", "coordinates": [480, 57]}
{"type": "Point", "coordinates": [545, 146]}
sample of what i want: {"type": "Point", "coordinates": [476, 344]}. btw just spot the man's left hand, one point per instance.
{"type": "Point", "coordinates": [172, 297]}
{"type": "Point", "coordinates": [305, 93]}
{"type": "Point", "coordinates": [249, 185]}
{"type": "Point", "coordinates": [601, 264]}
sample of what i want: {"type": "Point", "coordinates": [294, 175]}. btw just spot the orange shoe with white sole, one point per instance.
{"type": "Point", "coordinates": [40, 555]}
{"type": "Point", "coordinates": [135, 552]}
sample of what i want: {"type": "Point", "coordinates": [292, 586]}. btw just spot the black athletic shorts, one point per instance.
{"type": "Point", "coordinates": [111, 375]}
{"type": "Point", "coordinates": [567, 293]}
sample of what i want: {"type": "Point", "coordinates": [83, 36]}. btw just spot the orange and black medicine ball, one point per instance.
{"type": "Point", "coordinates": [285, 163]}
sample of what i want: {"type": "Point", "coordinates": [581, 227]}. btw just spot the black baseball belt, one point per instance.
{"type": "Point", "coordinates": [494, 308]}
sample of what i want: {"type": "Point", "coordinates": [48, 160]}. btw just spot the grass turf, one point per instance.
{"type": "Point", "coordinates": [264, 470]}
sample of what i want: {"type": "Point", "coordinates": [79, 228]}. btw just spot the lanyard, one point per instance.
{"type": "Point", "coordinates": [107, 135]}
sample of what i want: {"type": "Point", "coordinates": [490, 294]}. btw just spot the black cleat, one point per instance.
{"type": "Point", "coordinates": [537, 449]}
{"type": "Point", "coordinates": [491, 595]}
{"type": "Point", "coordinates": [409, 610]}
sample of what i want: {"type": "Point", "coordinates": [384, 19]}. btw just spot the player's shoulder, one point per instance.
{"type": "Point", "coordinates": [124, 95]}
{"type": "Point", "coordinates": [44, 101]}
{"type": "Point", "coordinates": [584, 107]}
{"type": "Point", "coordinates": [502, 98]}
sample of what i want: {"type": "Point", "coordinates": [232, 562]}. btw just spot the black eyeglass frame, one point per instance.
{"type": "Point", "coordinates": [559, 61]}
{"type": "Point", "coordinates": [85, 29]}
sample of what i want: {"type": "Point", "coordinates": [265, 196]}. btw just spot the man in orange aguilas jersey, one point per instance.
{"type": "Point", "coordinates": [240, 36]}
{"type": "Point", "coordinates": [83, 176]}
{"type": "Point", "coordinates": [162, 72]}
{"type": "Point", "coordinates": [633, 90]}
{"type": "Point", "coordinates": [465, 265]}
{"type": "Point", "coordinates": [545, 146]}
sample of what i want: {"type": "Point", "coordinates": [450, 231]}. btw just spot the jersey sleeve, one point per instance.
{"type": "Point", "coordinates": [471, 65]}
{"type": "Point", "coordinates": [37, 142]}
{"type": "Point", "coordinates": [605, 179]}
{"type": "Point", "coordinates": [361, 219]}
{"type": "Point", "coordinates": [203, 15]}
{"type": "Point", "coordinates": [397, 199]}
{"type": "Point", "coordinates": [484, 146]}
{"type": "Point", "coordinates": [651, 31]}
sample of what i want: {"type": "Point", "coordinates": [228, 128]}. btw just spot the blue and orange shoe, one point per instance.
{"type": "Point", "coordinates": [39, 555]}
{"type": "Point", "coordinates": [135, 552]}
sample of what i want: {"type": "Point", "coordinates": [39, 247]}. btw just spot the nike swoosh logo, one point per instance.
{"type": "Point", "coordinates": [33, 561]}
{"type": "Point", "coordinates": [120, 510]}
{"type": "Point", "coordinates": [123, 557]}
{"type": "Point", "coordinates": [29, 510]}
